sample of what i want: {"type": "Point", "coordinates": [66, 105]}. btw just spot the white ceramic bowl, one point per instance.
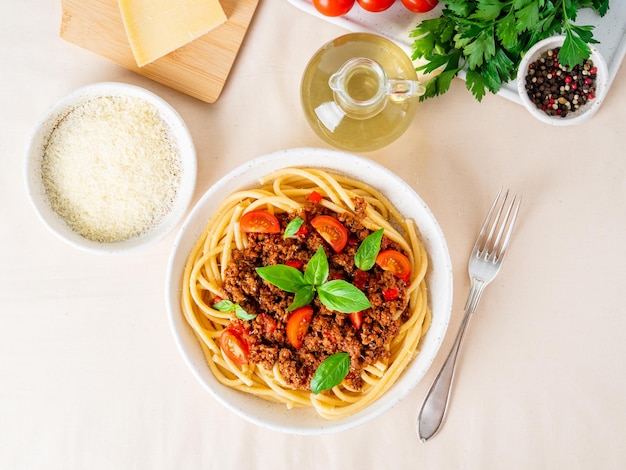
{"type": "Point", "coordinates": [439, 278]}
{"type": "Point", "coordinates": [37, 192]}
{"type": "Point", "coordinates": [585, 112]}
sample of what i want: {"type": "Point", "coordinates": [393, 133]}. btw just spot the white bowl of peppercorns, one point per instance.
{"type": "Point", "coordinates": [560, 95]}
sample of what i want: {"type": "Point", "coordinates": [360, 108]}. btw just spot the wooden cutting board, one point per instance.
{"type": "Point", "coordinates": [199, 69]}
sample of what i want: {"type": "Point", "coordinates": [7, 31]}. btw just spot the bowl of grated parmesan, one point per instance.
{"type": "Point", "coordinates": [111, 168]}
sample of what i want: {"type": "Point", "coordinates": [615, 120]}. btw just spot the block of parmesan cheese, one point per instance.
{"type": "Point", "coordinates": [157, 27]}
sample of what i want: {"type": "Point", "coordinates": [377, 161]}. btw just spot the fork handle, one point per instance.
{"type": "Point", "coordinates": [437, 399]}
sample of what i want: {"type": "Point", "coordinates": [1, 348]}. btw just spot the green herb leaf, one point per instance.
{"type": "Point", "coordinates": [490, 37]}
{"type": "Point", "coordinates": [480, 50]}
{"type": "Point", "coordinates": [341, 296]}
{"type": "Point", "coordinates": [304, 296]}
{"type": "Point", "coordinates": [228, 306]}
{"type": "Point", "coordinates": [365, 256]}
{"type": "Point", "coordinates": [284, 277]}
{"type": "Point", "coordinates": [292, 227]}
{"type": "Point", "coordinates": [331, 372]}
{"type": "Point", "coordinates": [476, 84]}
{"type": "Point", "coordinates": [573, 51]}
{"type": "Point", "coordinates": [527, 17]}
{"type": "Point", "coordinates": [242, 314]}
{"type": "Point", "coordinates": [498, 71]}
{"type": "Point", "coordinates": [601, 6]}
{"type": "Point", "coordinates": [224, 306]}
{"type": "Point", "coordinates": [488, 10]}
{"type": "Point", "coordinates": [506, 31]}
{"type": "Point", "coordinates": [316, 271]}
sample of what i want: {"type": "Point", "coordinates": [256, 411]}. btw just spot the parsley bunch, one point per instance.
{"type": "Point", "coordinates": [487, 39]}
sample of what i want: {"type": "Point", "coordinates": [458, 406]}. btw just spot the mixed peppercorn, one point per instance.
{"type": "Point", "coordinates": [555, 89]}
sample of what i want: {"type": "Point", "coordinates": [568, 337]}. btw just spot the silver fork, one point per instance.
{"type": "Point", "coordinates": [484, 264]}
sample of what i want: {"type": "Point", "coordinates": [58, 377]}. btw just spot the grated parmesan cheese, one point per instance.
{"type": "Point", "coordinates": [111, 169]}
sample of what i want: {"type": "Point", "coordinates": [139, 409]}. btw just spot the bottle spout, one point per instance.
{"type": "Point", "coordinates": [361, 87]}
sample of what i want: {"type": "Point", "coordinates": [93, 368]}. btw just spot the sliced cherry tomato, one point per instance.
{"type": "Point", "coordinates": [268, 323]}
{"type": "Point", "coordinates": [360, 279]}
{"type": "Point", "coordinates": [375, 5]}
{"type": "Point", "coordinates": [314, 197]}
{"type": "Point", "coordinates": [332, 231]}
{"type": "Point", "coordinates": [298, 325]}
{"type": "Point", "coordinates": [357, 319]}
{"type": "Point", "coordinates": [234, 346]}
{"type": "Point", "coordinates": [420, 6]}
{"type": "Point", "coordinates": [396, 262]}
{"type": "Point", "coordinates": [391, 293]}
{"type": "Point", "coordinates": [333, 7]}
{"type": "Point", "coordinates": [295, 263]}
{"type": "Point", "coordinates": [259, 221]}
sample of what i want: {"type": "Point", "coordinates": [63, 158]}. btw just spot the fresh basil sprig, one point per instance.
{"type": "Point", "coordinates": [331, 372]}
{"type": "Point", "coordinates": [292, 227]}
{"type": "Point", "coordinates": [365, 256]}
{"type": "Point", "coordinates": [337, 295]}
{"type": "Point", "coordinates": [228, 306]}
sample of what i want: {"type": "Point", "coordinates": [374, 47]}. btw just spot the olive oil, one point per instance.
{"type": "Point", "coordinates": [354, 92]}
{"type": "Point", "coordinates": [362, 85]}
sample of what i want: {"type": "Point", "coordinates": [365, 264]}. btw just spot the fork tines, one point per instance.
{"type": "Point", "coordinates": [495, 233]}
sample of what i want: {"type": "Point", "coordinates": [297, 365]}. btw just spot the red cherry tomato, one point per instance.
{"type": "Point", "coordinates": [332, 231]}
{"type": "Point", "coordinates": [295, 263]}
{"type": "Point", "coordinates": [356, 318]}
{"type": "Point", "coordinates": [314, 197]}
{"type": "Point", "coordinates": [360, 279]}
{"type": "Point", "coordinates": [390, 294]}
{"type": "Point", "coordinates": [375, 5]}
{"type": "Point", "coordinates": [259, 221]}
{"type": "Point", "coordinates": [333, 7]}
{"type": "Point", "coordinates": [234, 346]}
{"type": "Point", "coordinates": [395, 262]}
{"type": "Point", "coordinates": [420, 6]}
{"type": "Point", "coordinates": [298, 325]}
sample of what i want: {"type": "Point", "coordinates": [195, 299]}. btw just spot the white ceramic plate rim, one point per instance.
{"type": "Point", "coordinates": [276, 416]}
{"type": "Point", "coordinates": [37, 193]}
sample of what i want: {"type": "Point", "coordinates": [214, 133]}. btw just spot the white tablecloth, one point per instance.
{"type": "Point", "coordinates": [90, 377]}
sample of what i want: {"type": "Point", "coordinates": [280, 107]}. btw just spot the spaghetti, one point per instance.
{"type": "Point", "coordinates": [285, 192]}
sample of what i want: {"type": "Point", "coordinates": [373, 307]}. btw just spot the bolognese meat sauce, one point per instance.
{"type": "Point", "coordinates": [367, 339]}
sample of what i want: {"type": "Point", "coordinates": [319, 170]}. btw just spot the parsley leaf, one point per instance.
{"type": "Point", "coordinates": [488, 38]}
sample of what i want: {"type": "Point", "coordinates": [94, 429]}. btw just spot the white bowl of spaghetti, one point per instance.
{"type": "Point", "coordinates": [281, 183]}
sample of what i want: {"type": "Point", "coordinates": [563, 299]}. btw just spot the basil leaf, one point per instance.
{"type": "Point", "coordinates": [342, 296]}
{"type": "Point", "coordinates": [224, 306]}
{"type": "Point", "coordinates": [242, 314]}
{"type": "Point", "coordinates": [368, 250]}
{"type": "Point", "coordinates": [316, 271]}
{"type": "Point", "coordinates": [284, 277]}
{"type": "Point", "coordinates": [303, 297]}
{"type": "Point", "coordinates": [293, 227]}
{"type": "Point", "coordinates": [331, 372]}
